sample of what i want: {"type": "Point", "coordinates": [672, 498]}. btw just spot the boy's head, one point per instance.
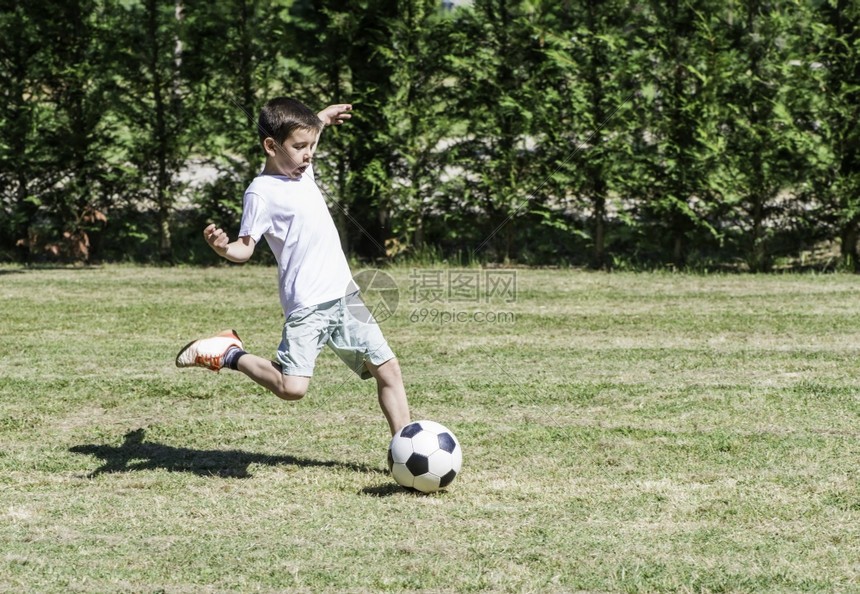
{"type": "Point", "coordinates": [288, 132]}
{"type": "Point", "coordinates": [281, 116]}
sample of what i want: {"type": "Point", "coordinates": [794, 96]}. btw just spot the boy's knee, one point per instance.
{"type": "Point", "coordinates": [290, 394]}
{"type": "Point", "coordinates": [292, 388]}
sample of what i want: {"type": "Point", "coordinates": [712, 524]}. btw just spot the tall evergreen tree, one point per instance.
{"type": "Point", "coordinates": [598, 80]}
{"type": "Point", "coordinates": [81, 138]}
{"type": "Point", "coordinates": [151, 104]}
{"type": "Point", "coordinates": [56, 129]}
{"type": "Point", "coordinates": [418, 113]}
{"type": "Point", "coordinates": [496, 57]}
{"type": "Point", "coordinates": [677, 99]}
{"type": "Point", "coordinates": [761, 163]}
{"type": "Point", "coordinates": [834, 66]}
{"type": "Point", "coordinates": [22, 70]}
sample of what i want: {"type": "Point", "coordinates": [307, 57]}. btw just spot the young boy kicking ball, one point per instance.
{"type": "Point", "coordinates": [319, 298]}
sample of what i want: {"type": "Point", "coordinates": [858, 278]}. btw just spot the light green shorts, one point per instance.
{"type": "Point", "coordinates": [343, 324]}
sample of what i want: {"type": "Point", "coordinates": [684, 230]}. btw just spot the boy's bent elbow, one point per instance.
{"type": "Point", "coordinates": [237, 258]}
{"type": "Point", "coordinates": [240, 251]}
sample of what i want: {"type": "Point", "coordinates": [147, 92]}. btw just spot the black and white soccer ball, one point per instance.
{"type": "Point", "coordinates": [424, 455]}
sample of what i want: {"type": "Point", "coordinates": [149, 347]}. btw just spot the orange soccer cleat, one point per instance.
{"type": "Point", "coordinates": [208, 352]}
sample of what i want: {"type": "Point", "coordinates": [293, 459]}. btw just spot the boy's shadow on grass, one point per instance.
{"type": "Point", "coordinates": [134, 454]}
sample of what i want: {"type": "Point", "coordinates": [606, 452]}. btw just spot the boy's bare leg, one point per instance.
{"type": "Point", "coordinates": [225, 349]}
{"type": "Point", "coordinates": [392, 393]}
{"type": "Point", "coordinates": [269, 375]}
{"type": "Point", "coordinates": [389, 385]}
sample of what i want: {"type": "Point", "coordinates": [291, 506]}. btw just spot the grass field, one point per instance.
{"type": "Point", "coordinates": [621, 432]}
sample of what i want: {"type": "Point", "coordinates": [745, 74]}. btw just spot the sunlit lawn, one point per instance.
{"type": "Point", "coordinates": [621, 432]}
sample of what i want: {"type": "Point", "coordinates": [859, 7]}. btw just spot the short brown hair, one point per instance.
{"type": "Point", "coordinates": [281, 115]}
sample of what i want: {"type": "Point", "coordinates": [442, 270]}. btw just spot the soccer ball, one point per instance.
{"type": "Point", "coordinates": [424, 455]}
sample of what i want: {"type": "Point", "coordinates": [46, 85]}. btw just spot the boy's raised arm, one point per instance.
{"type": "Point", "coordinates": [335, 115]}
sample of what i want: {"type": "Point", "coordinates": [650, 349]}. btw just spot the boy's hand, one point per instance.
{"type": "Point", "coordinates": [335, 115]}
{"type": "Point", "coordinates": [216, 238]}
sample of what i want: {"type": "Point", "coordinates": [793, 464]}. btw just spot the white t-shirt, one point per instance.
{"type": "Point", "coordinates": [293, 217]}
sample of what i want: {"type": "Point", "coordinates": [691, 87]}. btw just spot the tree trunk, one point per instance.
{"type": "Point", "coordinates": [848, 247]}
{"type": "Point", "coordinates": [599, 253]}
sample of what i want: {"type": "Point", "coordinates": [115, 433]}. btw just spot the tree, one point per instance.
{"type": "Point", "coordinates": [418, 113]}
{"type": "Point", "coordinates": [530, 130]}
{"type": "Point", "coordinates": [673, 148]}
{"type": "Point", "coordinates": [21, 70]}
{"type": "Point", "coordinates": [496, 58]}
{"type": "Point", "coordinates": [831, 122]}
{"type": "Point", "coordinates": [56, 130]}
{"type": "Point", "coordinates": [347, 63]}
{"type": "Point", "coordinates": [81, 136]}
{"type": "Point", "coordinates": [761, 163]}
{"type": "Point", "coordinates": [151, 95]}
{"type": "Point", "coordinates": [597, 83]}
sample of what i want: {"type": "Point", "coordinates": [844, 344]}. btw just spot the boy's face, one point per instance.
{"type": "Point", "coordinates": [294, 156]}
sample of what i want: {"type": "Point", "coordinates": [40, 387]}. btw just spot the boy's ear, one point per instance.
{"type": "Point", "coordinates": [270, 146]}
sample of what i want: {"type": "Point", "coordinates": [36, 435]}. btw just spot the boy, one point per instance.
{"type": "Point", "coordinates": [318, 295]}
